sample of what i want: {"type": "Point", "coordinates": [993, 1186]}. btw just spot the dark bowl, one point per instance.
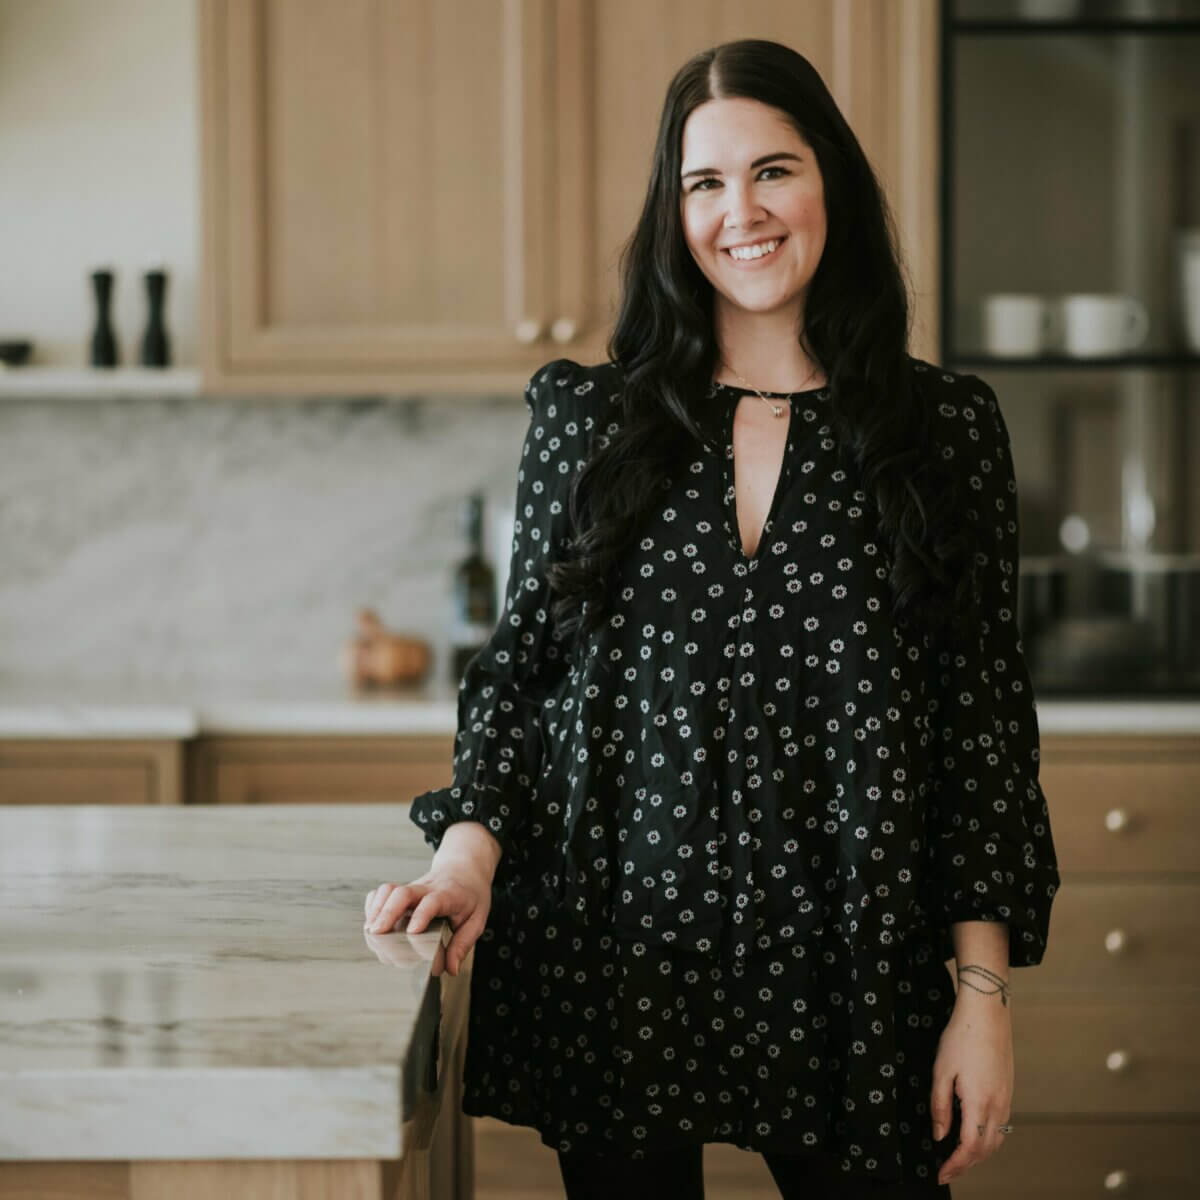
{"type": "Point", "coordinates": [15, 353]}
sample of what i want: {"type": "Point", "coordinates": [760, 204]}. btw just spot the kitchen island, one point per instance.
{"type": "Point", "coordinates": [191, 1006]}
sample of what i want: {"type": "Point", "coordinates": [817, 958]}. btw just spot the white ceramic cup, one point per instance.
{"type": "Point", "coordinates": [1188, 243]}
{"type": "Point", "coordinates": [1016, 324]}
{"type": "Point", "coordinates": [1095, 324]}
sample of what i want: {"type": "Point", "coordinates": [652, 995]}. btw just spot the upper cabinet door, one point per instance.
{"type": "Point", "coordinates": [378, 201]}
{"type": "Point", "coordinates": [877, 57]}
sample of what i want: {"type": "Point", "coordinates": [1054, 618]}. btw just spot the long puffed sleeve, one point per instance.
{"type": "Point", "coordinates": [992, 853]}
{"type": "Point", "coordinates": [498, 745]}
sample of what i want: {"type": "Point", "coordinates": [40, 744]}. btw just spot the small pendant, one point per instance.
{"type": "Point", "coordinates": [777, 409]}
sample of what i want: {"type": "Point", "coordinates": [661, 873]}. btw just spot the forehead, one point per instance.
{"type": "Point", "coordinates": [735, 129]}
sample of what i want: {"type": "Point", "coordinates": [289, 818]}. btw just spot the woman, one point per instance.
{"type": "Point", "coordinates": [752, 751]}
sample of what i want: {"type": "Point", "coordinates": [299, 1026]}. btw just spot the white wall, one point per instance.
{"type": "Point", "coordinates": [98, 168]}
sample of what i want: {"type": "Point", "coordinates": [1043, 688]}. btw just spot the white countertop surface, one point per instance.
{"type": "Point", "coordinates": [329, 706]}
{"type": "Point", "coordinates": [195, 982]}
{"type": "Point", "coordinates": [176, 709]}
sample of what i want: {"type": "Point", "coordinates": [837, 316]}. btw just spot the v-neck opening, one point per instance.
{"type": "Point", "coordinates": [730, 486]}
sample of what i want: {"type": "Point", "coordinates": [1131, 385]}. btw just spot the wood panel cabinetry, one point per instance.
{"type": "Point", "coordinates": [433, 194]}
{"type": "Point", "coordinates": [90, 771]}
{"type": "Point", "coordinates": [381, 208]}
{"type": "Point", "coordinates": [1107, 1099]}
{"type": "Point", "coordinates": [223, 769]}
{"type": "Point", "coordinates": [316, 770]}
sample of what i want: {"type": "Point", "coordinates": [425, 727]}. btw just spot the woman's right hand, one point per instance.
{"type": "Point", "coordinates": [458, 885]}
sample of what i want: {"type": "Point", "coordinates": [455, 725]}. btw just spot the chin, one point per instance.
{"type": "Point", "coordinates": [753, 301]}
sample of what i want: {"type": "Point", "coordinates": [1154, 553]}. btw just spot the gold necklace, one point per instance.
{"type": "Point", "coordinates": [777, 409]}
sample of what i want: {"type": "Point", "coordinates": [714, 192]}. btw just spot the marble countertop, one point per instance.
{"type": "Point", "coordinates": [174, 709]}
{"type": "Point", "coordinates": [329, 706]}
{"type": "Point", "coordinates": [196, 982]}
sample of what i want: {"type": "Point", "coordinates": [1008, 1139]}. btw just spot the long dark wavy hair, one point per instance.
{"type": "Point", "coordinates": [856, 325]}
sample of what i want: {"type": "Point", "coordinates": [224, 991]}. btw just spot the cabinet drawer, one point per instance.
{"type": "Point", "coordinates": [226, 769]}
{"type": "Point", "coordinates": [1121, 811]}
{"type": "Point", "coordinates": [1138, 1057]}
{"type": "Point", "coordinates": [1044, 1160]}
{"type": "Point", "coordinates": [82, 771]}
{"type": "Point", "coordinates": [1120, 935]}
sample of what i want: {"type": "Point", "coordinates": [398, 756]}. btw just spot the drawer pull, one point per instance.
{"type": "Point", "coordinates": [1116, 1181]}
{"type": "Point", "coordinates": [1115, 941]}
{"type": "Point", "coordinates": [564, 330]}
{"type": "Point", "coordinates": [1117, 1060]}
{"type": "Point", "coordinates": [528, 330]}
{"type": "Point", "coordinates": [1116, 819]}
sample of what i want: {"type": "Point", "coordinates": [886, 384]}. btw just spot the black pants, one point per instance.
{"type": "Point", "coordinates": [678, 1174]}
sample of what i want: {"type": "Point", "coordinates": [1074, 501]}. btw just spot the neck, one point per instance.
{"type": "Point", "coordinates": [765, 348]}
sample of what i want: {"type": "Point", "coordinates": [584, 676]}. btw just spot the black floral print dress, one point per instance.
{"type": "Point", "coordinates": [739, 821]}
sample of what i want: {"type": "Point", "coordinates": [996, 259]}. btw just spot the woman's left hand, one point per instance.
{"type": "Point", "coordinates": [975, 1062]}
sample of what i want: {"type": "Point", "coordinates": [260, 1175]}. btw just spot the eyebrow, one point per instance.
{"type": "Point", "coordinates": [758, 162]}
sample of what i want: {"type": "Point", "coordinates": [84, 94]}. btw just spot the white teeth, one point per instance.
{"type": "Point", "coordinates": [753, 251]}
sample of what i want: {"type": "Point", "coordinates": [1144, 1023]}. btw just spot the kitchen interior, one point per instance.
{"type": "Point", "coordinates": [275, 277]}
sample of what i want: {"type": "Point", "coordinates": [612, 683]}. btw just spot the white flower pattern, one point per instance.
{"type": "Point", "coordinates": [739, 822]}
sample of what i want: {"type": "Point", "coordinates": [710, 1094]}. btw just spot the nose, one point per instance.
{"type": "Point", "coordinates": [740, 209]}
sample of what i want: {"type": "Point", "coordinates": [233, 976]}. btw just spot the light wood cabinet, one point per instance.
{"type": "Point", "coordinates": [223, 770]}
{"type": "Point", "coordinates": [316, 770]}
{"type": "Point", "coordinates": [380, 207]}
{"type": "Point", "coordinates": [1106, 1096]}
{"type": "Point", "coordinates": [432, 195]}
{"type": "Point", "coordinates": [95, 771]}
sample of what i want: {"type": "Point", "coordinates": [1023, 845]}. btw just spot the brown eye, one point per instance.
{"type": "Point", "coordinates": [712, 179]}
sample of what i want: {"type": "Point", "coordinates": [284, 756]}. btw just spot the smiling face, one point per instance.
{"type": "Point", "coordinates": [748, 178]}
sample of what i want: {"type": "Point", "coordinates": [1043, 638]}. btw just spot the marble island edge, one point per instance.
{"type": "Point", "coordinates": [196, 983]}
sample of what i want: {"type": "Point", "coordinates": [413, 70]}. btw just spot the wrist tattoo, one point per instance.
{"type": "Point", "coordinates": [999, 985]}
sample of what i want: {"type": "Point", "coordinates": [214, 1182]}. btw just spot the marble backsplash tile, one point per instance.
{"type": "Point", "coordinates": [223, 539]}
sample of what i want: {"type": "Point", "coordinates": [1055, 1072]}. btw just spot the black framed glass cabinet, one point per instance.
{"type": "Point", "coordinates": [1070, 281]}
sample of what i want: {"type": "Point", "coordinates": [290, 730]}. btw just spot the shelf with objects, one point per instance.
{"type": "Point", "coordinates": [1070, 282]}
{"type": "Point", "coordinates": [24, 377]}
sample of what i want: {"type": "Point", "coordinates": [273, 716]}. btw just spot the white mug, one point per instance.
{"type": "Point", "coordinates": [1016, 324]}
{"type": "Point", "coordinates": [1095, 324]}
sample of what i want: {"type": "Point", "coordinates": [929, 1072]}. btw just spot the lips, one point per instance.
{"type": "Point", "coordinates": [761, 259]}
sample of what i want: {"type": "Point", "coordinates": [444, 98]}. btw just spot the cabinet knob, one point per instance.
{"type": "Point", "coordinates": [564, 330]}
{"type": "Point", "coordinates": [1115, 941]}
{"type": "Point", "coordinates": [1116, 819]}
{"type": "Point", "coordinates": [1116, 1181]}
{"type": "Point", "coordinates": [528, 330]}
{"type": "Point", "coordinates": [1117, 1060]}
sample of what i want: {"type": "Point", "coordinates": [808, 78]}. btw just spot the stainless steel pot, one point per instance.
{"type": "Point", "coordinates": [1162, 591]}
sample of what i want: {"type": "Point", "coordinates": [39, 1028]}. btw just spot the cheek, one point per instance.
{"type": "Point", "coordinates": [810, 215]}
{"type": "Point", "coordinates": [699, 233]}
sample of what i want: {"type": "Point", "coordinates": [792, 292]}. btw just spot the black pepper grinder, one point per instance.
{"type": "Point", "coordinates": [104, 342]}
{"type": "Point", "coordinates": [156, 345]}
